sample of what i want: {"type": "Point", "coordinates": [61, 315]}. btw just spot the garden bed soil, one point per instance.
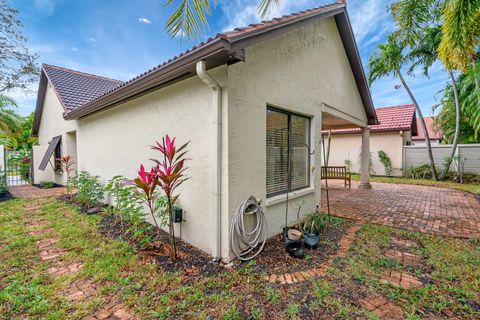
{"type": "Point", "coordinates": [190, 260]}
{"type": "Point", "coordinates": [274, 260]}
{"type": "Point", "coordinates": [5, 196]}
{"type": "Point", "coordinates": [71, 201]}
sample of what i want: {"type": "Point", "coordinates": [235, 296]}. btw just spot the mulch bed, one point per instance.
{"type": "Point", "coordinates": [274, 260]}
{"type": "Point", "coordinates": [190, 260]}
{"type": "Point", "coordinates": [5, 196]}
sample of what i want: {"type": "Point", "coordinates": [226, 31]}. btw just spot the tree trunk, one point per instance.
{"type": "Point", "coordinates": [422, 121]}
{"type": "Point", "coordinates": [457, 127]}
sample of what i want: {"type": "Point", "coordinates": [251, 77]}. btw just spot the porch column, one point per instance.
{"type": "Point", "coordinates": [365, 158]}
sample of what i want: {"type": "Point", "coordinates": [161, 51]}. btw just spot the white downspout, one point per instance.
{"type": "Point", "coordinates": [217, 142]}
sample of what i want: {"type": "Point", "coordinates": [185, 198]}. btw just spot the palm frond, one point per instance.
{"type": "Point", "coordinates": [264, 7]}
{"type": "Point", "coordinates": [189, 19]}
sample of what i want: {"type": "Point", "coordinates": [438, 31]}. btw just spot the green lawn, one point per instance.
{"type": "Point", "coordinates": [472, 188]}
{"type": "Point", "coordinates": [450, 271]}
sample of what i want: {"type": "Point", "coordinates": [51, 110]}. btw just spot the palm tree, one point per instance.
{"type": "Point", "coordinates": [190, 17]}
{"type": "Point", "coordinates": [424, 54]}
{"type": "Point", "coordinates": [461, 33]}
{"type": "Point", "coordinates": [9, 120]}
{"type": "Point", "coordinates": [389, 59]}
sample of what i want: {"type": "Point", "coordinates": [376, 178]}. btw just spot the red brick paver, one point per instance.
{"type": "Point", "coordinates": [31, 192]}
{"type": "Point", "coordinates": [400, 279]}
{"type": "Point", "coordinates": [404, 257]}
{"type": "Point", "coordinates": [382, 308]}
{"type": "Point", "coordinates": [343, 246]}
{"type": "Point", "coordinates": [431, 210]}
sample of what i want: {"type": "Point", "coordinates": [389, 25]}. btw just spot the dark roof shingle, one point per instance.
{"type": "Point", "coordinates": [76, 88]}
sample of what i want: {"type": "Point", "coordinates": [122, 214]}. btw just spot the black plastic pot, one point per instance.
{"type": "Point", "coordinates": [295, 249]}
{"type": "Point", "coordinates": [311, 240]}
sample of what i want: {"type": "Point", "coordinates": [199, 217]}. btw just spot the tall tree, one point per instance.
{"type": "Point", "coordinates": [388, 59]}
{"type": "Point", "coordinates": [424, 53]}
{"type": "Point", "coordinates": [18, 66]}
{"type": "Point", "coordinates": [461, 33]}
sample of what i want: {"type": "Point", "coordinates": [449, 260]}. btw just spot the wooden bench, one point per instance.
{"type": "Point", "coordinates": [337, 173]}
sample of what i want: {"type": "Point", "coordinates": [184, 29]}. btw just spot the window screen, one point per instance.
{"type": "Point", "coordinates": [287, 135]}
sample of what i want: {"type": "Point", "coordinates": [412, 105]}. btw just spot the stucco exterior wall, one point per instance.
{"type": "Point", "coordinates": [118, 140]}
{"type": "Point", "coordinates": [348, 146]}
{"type": "Point", "coordinates": [296, 71]}
{"type": "Point", "coordinates": [52, 124]}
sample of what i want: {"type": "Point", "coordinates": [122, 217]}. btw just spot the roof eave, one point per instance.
{"type": "Point", "coordinates": [346, 34]}
{"type": "Point", "coordinates": [179, 69]}
{"type": "Point", "coordinates": [42, 89]}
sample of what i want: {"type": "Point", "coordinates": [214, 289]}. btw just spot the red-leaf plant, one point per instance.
{"type": "Point", "coordinates": [148, 182]}
{"type": "Point", "coordinates": [67, 167]}
{"type": "Point", "coordinates": [170, 175]}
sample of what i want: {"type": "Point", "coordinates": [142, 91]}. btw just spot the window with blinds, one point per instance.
{"type": "Point", "coordinates": [288, 135]}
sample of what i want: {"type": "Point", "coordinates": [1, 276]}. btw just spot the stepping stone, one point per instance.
{"type": "Point", "coordinates": [383, 308]}
{"type": "Point", "coordinates": [404, 257]}
{"type": "Point", "coordinates": [402, 280]}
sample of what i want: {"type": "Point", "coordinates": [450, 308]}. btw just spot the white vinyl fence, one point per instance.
{"type": "Point", "coordinates": [417, 155]}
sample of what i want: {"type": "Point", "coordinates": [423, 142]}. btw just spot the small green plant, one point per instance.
{"type": "Point", "coordinates": [322, 290]}
{"type": "Point", "coordinates": [315, 223]}
{"type": "Point", "coordinates": [348, 164]}
{"type": "Point", "coordinates": [126, 205]}
{"type": "Point", "coordinates": [422, 171]}
{"type": "Point", "coordinates": [386, 161]}
{"type": "Point", "coordinates": [272, 295]}
{"type": "Point", "coordinates": [458, 167]}
{"type": "Point", "coordinates": [89, 189]}
{"type": "Point", "coordinates": [47, 184]}
{"type": "Point", "coordinates": [292, 310]}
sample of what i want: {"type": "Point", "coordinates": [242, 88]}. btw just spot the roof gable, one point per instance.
{"type": "Point", "coordinates": [433, 132]}
{"type": "Point", "coordinates": [73, 89]}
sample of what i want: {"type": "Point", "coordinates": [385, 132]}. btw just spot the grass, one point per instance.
{"type": "Point", "coordinates": [27, 291]}
{"type": "Point", "coordinates": [472, 188]}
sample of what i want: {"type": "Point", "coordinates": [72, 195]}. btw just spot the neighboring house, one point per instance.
{"type": "Point", "coordinates": [397, 125]}
{"type": "Point", "coordinates": [237, 98]}
{"type": "Point", "coordinates": [435, 134]}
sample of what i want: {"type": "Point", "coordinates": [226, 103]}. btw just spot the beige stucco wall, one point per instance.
{"type": "Point", "coordinates": [348, 146]}
{"type": "Point", "coordinates": [296, 71]}
{"type": "Point", "coordinates": [118, 140]}
{"type": "Point", "coordinates": [52, 124]}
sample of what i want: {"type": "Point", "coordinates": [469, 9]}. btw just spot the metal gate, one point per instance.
{"type": "Point", "coordinates": [18, 167]}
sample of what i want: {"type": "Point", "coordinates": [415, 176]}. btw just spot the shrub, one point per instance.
{"type": "Point", "coordinates": [457, 166]}
{"type": "Point", "coordinates": [125, 200]}
{"type": "Point", "coordinates": [422, 171]}
{"type": "Point", "coordinates": [3, 183]}
{"type": "Point", "coordinates": [386, 161]}
{"type": "Point", "coordinates": [89, 189]}
{"type": "Point", "coordinates": [47, 184]}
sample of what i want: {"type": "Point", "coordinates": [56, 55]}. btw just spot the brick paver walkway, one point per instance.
{"type": "Point", "coordinates": [80, 290]}
{"type": "Point", "coordinates": [29, 192]}
{"type": "Point", "coordinates": [432, 210]}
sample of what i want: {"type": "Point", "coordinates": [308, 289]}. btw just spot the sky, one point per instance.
{"type": "Point", "coordinates": [121, 39]}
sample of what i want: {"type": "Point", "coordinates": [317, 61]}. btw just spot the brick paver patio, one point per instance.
{"type": "Point", "coordinates": [29, 192]}
{"type": "Point", "coordinates": [439, 211]}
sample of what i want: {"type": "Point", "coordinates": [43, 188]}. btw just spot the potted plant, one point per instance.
{"type": "Point", "coordinates": [313, 226]}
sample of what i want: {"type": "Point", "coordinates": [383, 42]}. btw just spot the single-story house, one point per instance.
{"type": "Point", "coordinates": [435, 134]}
{"type": "Point", "coordinates": [397, 125]}
{"type": "Point", "coordinates": [237, 98]}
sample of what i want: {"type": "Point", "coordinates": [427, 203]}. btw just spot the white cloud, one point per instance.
{"type": "Point", "coordinates": [45, 6]}
{"type": "Point", "coordinates": [144, 21]}
{"type": "Point", "coordinates": [92, 39]}
{"type": "Point", "coordinates": [74, 49]}
{"type": "Point", "coordinates": [369, 18]}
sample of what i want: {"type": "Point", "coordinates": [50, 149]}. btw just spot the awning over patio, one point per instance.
{"type": "Point", "coordinates": [50, 150]}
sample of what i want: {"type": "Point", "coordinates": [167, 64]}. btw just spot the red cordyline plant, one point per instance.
{"type": "Point", "coordinates": [148, 182]}
{"type": "Point", "coordinates": [67, 167]}
{"type": "Point", "coordinates": [168, 174]}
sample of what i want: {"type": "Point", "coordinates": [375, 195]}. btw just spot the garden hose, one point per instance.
{"type": "Point", "coordinates": [244, 244]}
